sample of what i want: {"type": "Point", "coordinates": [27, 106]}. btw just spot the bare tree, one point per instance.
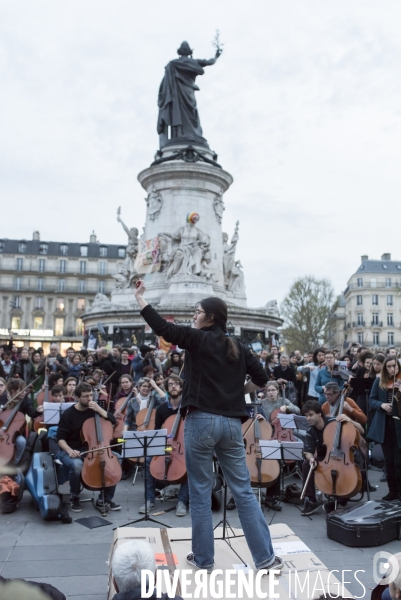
{"type": "Point", "coordinates": [306, 311]}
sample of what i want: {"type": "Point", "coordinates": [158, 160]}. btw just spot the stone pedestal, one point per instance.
{"type": "Point", "coordinates": [183, 188]}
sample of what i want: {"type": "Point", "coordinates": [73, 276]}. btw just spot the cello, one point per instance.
{"type": "Point", "coordinates": [43, 396]}
{"type": "Point", "coordinates": [12, 423]}
{"type": "Point", "coordinates": [337, 474]}
{"type": "Point", "coordinates": [119, 414]}
{"type": "Point", "coordinates": [263, 473]}
{"type": "Point", "coordinates": [101, 467]}
{"type": "Point", "coordinates": [171, 467]}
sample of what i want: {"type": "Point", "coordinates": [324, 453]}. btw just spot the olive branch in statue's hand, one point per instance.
{"type": "Point", "coordinates": [217, 44]}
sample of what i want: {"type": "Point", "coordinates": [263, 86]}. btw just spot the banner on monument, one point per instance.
{"type": "Point", "coordinates": [148, 259]}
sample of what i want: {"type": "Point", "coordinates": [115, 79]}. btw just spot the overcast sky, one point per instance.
{"type": "Point", "coordinates": [303, 109]}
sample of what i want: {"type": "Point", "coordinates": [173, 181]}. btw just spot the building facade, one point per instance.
{"type": "Point", "coordinates": [371, 315]}
{"type": "Point", "coordinates": [47, 286]}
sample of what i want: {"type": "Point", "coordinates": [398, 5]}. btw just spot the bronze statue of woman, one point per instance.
{"type": "Point", "coordinates": [176, 101]}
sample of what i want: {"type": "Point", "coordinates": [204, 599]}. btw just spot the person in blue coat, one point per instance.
{"type": "Point", "coordinates": [385, 428]}
{"type": "Point", "coordinates": [326, 374]}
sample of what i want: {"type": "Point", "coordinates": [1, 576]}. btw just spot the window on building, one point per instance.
{"type": "Point", "coordinates": [60, 304]}
{"type": "Point", "coordinates": [359, 300]}
{"type": "Point", "coordinates": [39, 302]}
{"type": "Point", "coordinates": [84, 250]}
{"type": "Point", "coordinates": [390, 319]}
{"type": "Point", "coordinates": [15, 323]}
{"type": "Point", "coordinates": [43, 248]}
{"type": "Point", "coordinates": [63, 249]}
{"type": "Point", "coordinates": [20, 264]}
{"type": "Point", "coordinates": [81, 286]}
{"type": "Point", "coordinates": [61, 285]}
{"type": "Point", "coordinates": [390, 338]}
{"type": "Point", "coordinates": [22, 247]}
{"type": "Point", "coordinates": [81, 304]}
{"type": "Point", "coordinates": [79, 327]}
{"type": "Point", "coordinates": [42, 265]}
{"type": "Point", "coordinates": [376, 340]}
{"type": "Point", "coordinates": [390, 300]}
{"type": "Point", "coordinates": [18, 283]}
{"type": "Point", "coordinates": [388, 281]}
{"type": "Point", "coordinates": [360, 282]}
{"type": "Point", "coordinates": [359, 317]}
{"type": "Point", "coordinates": [101, 287]}
{"type": "Point", "coordinates": [59, 327]}
{"type": "Point", "coordinates": [360, 338]}
{"type": "Point", "coordinates": [375, 318]}
{"type": "Point", "coordinates": [40, 284]}
{"type": "Point", "coordinates": [1, 246]}
{"type": "Point", "coordinates": [375, 299]}
{"type": "Point", "coordinates": [373, 282]}
{"type": "Point", "coordinates": [17, 302]}
{"type": "Point", "coordinates": [82, 267]}
{"type": "Point", "coordinates": [121, 253]}
{"type": "Point", "coordinates": [103, 251]}
{"type": "Point", "coordinates": [62, 268]}
{"type": "Point", "coordinates": [38, 322]}
{"type": "Point", "coordinates": [102, 267]}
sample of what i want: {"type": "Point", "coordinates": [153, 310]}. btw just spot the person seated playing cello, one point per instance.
{"type": "Point", "coordinates": [165, 410]}
{"type": "Point", "coordinates": [13, 389]}
{"type": "Point", "coordinates": [313, 445]}
{"type": "Point", "coordinates": [71, 444]}
{"type": "Point", "coordinates": [332, 392]}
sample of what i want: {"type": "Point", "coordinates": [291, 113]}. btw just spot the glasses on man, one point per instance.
{"type": "Point", "coordinates": [171, 385]}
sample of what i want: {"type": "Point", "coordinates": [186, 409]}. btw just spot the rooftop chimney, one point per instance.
{"type": "Point", "coordinates": [93, 238]}
{"type": "Point", "coordinates": [386, 256]}
{"type": "Point", "coordinates": [36, 236]}
{"type": "Point", "coordinates": [364, 257]}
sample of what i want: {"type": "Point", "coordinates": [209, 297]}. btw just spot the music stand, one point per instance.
{"type": "Point", "coordinates": [140, 444]}
{"type": "Point", "coordinates": [52, 412]}
{"type": "Point", "coordinates": [281, 451]}
{"type": "Point", "coordinates": [226, 525]}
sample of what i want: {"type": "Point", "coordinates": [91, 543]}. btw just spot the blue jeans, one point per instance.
{"type": "Point", "coordinates": [206, 433]}
{"type": "Point", "coordinates": [74, 466]}
{"type": "Point", "coordinates": [20, 443]}
{"type": "Point", "coordinates": [183, 494]}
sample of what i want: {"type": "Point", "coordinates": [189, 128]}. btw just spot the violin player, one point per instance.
{"type": "Point", "coordinates": [214, 408]}
{"type": "Point", "coordinates": [7, 402]}
{"type": "Point", "coordinates": [71, 444]}
{"type": "Point", "coordinates": [165, 410]}
{"type": "Point", "coordinates": [313, 444]}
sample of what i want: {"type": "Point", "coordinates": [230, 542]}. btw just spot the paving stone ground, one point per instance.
{"type": "Point", "coordinates": [74, 558]}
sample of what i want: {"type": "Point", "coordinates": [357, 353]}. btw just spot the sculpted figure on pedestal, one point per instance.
{"type": "Point", "coordinates": [176, 101]}
{"type": "Point", "coordinates": [237, 283]}
{"type": "Point", "coordinates": [154, 202]}
{"type": "Point", "coordinates": [229, 254]}
{"type": "Point", "coordinates": [127, 269]}
{"type": "Point", "coordinates": [188, 248]}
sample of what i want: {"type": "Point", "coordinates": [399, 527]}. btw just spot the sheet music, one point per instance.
{"type": "Point", "coordinates": [134, 445]}
{"type": "Point", "coordinates": [52, 411]}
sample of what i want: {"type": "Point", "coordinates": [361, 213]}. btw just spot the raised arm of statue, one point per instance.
{"type": "Point", "coordinates": [127, 231]}
{"type": "Point", "coordinates": [211, 61]}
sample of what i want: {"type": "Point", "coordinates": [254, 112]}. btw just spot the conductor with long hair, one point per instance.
{"type": "Point", "coordinates": [213, 405]}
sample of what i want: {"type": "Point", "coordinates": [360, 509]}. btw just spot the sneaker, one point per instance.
{"type": "Point", "coordinates": [329, 507]}
{"type": "Point", "coordinates": [273, 503]}
{"type": "Point", "coordinates": [390, 496]}
{"type": "Point", "coordinates": [310, 508]}
{"type": "Point", "coordinates": [102, 506]}
{"type": "Point", "coordinates": [277, 565]}
{"type": "Point", "coordinates": [75, 505]}
{"type": "Point", "coordinates": [150, 506]}
{"type": "Point", "coordinates": [231, 504]}
{"type": "Point", "coordinates": [181, 509]}
{"type": "Point", "coordinates": [383, 477]}
{"type": "Point", "coordinates": [191, 561]}
{"type": "Point", "coordinates": [112, 505]}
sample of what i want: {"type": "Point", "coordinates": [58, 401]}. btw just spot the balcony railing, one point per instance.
{"type": "Point", "coordinates": [358, 323]}
{"type": "Point", "coordinates": [376, 323]}
{"type": "Point", "coordinates": [371, 286]}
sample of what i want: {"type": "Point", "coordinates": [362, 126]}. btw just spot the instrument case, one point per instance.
{"type": "Point", "coordinates": [42, 483]}
{"type": "Point", "coordinates": [371, 524]}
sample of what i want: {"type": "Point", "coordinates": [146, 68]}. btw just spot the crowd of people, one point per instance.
{"type": "Point", "coordinates": [308, 384]}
